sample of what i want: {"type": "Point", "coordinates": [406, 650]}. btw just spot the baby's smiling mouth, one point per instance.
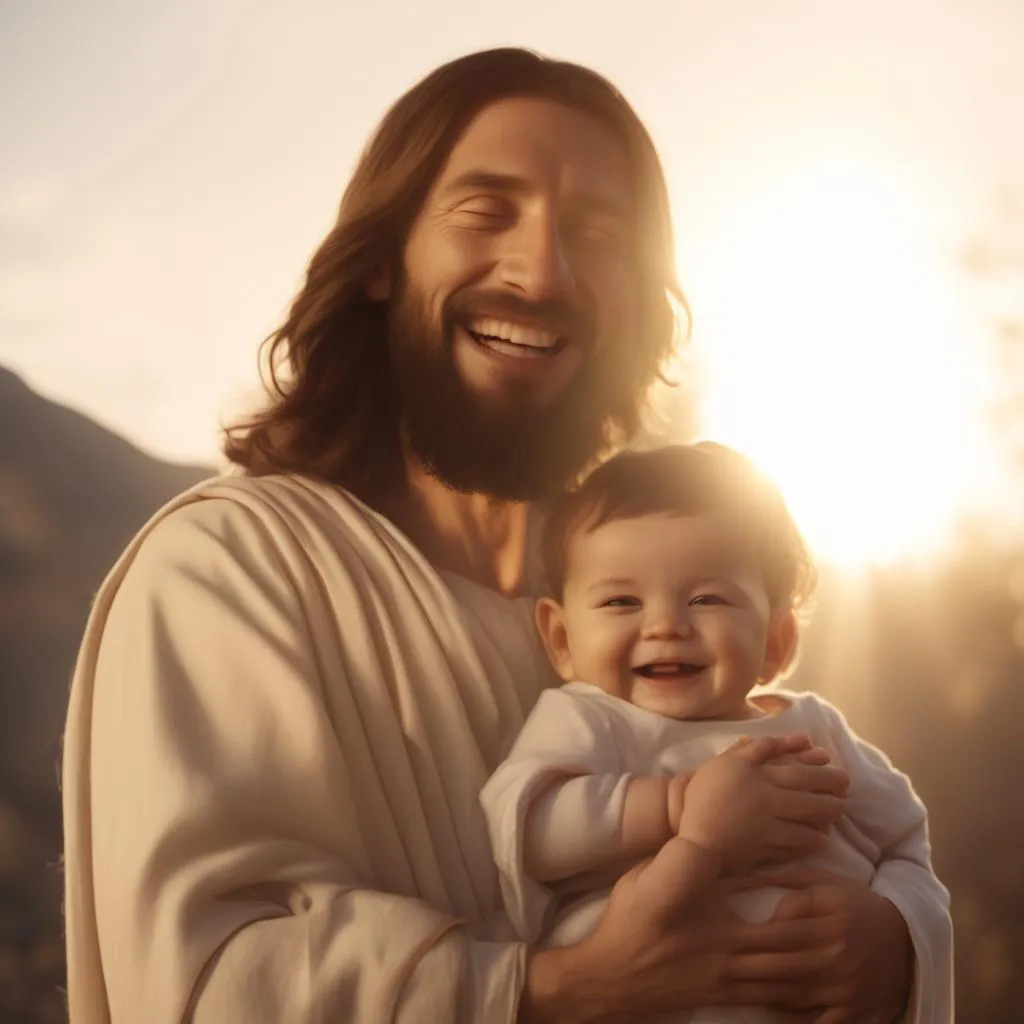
{"type": "Point", "coordinates": [668, 669]}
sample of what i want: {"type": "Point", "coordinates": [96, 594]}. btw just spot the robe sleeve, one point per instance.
{"type": "Point", "coordinates": [232, 879]}
{"type": "Point", "coordinates": [883, 806]}
{"type": "Point", "coordinates": [564, 765]}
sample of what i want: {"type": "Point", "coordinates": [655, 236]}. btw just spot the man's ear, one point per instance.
{"type": "Point", "coordinates": [780, 649]}
{"type": "Point", "coordinates": [378, 284]}
{"type": "Point", "coordinates": [550, 618]}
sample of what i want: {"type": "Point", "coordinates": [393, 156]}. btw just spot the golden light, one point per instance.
{"type": "Point", "coordinates": [832, 347]}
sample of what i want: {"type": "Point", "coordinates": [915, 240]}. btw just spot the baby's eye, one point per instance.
{"type": "Point", "coordinates": [708, 599]}
{"type": "Point", "coordinates": [621, 601]}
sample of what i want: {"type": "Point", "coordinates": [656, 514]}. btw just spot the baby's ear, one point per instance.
{"type": "Point", "coordinates": [780, 650]}
{"type": "Point", "coordinates": [550, 618]}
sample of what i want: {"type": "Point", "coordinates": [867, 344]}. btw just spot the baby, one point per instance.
{"type": "Point", "coordinates": [676, 577]}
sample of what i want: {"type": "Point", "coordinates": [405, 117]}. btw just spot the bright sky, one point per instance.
{"type": "Point", "coordinates": [169, 167]}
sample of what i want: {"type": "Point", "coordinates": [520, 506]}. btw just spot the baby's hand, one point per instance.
{"type": "Point", "coordinates": [752, 804]}
{"type": "Point", "coordinates": [676, 795]}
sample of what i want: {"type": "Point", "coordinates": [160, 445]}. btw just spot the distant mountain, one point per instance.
{"type": "Point", "coordinates": [71, 496]}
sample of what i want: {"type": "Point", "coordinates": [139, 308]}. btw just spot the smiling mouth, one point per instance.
{"type": "Point", "coordinates": [669, 669]}
{"type": "Point", "coordinates": [513, 339]}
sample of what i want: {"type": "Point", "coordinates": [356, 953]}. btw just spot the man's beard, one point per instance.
{"type": "Point", "coordinates": [508, 446]}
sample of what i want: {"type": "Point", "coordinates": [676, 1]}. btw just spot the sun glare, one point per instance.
{"type": "Point", "coordinates": [830, 347]}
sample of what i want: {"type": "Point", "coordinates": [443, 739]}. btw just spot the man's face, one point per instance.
{"type": "Point", "coordinates": [517, 282]}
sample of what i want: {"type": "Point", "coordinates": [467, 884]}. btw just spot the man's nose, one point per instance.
{"type": "Point", "coordinates": [536, 261]}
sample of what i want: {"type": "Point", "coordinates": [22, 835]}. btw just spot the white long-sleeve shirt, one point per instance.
{"type": "Point", "coordinates": [599, 742]}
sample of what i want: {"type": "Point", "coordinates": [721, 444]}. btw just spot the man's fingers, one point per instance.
{"type": "Point", "coordinates": [794, 996]}
{"type": "Point", "coordinates": [790, 839]}
{"type": "Point", "coordinates": [775, 936]}
{"type": "Point", "coordinates": [780, 966]}
{"type": "Point", "coordinates": [808, 877]}
{"type": "Point", "coordinates": [795, 904]}
{"type": "Point", "coordinates": [833, 1015]}
{"type": "Point", "coordinates": [762, 993]}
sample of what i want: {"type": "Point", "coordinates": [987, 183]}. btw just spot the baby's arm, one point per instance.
{"type": "Point", "coordinates": [556, 799]}
{"type": "Point", "coordinates": [590, 822]}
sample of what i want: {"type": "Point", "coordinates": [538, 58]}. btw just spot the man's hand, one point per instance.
{"type": "Point", "coordinates": [834, 950]}
{"type": "Point", "coordinates": [865, 971]}
{"type": "Point", "coordinates": [758, 802]}
{"type": "Point", "coordinates": [642, 959]}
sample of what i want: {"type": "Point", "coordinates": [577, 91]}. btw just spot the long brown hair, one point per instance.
{"type": "Point", "coordinates": [331, 412]}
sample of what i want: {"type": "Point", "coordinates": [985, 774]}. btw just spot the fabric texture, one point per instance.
{"type": "Point", "coordinates": [279, 724]}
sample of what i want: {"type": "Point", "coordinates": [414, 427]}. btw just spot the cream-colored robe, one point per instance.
{"type": "Point", "coordinates": [279, 725]}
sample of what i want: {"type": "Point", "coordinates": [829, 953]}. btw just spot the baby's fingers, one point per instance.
{"type": "Point", "coordinates": [809, 808]}
{"type": "Point", "coordinates": [765, 748]}
{"type": "Point", "coordinates": [811, 778]}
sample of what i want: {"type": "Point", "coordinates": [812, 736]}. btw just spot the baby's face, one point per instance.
{"type": "Point", "coordinates": [669, 613]}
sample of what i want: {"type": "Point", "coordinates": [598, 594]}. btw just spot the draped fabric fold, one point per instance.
{"type": "Point", "coordinates": [278, 727]}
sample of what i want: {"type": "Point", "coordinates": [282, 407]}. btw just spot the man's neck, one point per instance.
{"type": "Point", "coordinates": [476, 536]}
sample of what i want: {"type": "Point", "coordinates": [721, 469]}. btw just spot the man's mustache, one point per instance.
{"type": "Point", "coordinates": [559, 315]}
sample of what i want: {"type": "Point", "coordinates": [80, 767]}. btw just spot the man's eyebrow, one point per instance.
{"type": "Point", "coordinates": [488, 180]}
{"type": "Point", "coordinates": [514, 184]}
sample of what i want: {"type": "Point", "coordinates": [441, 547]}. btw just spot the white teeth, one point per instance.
{"type": "Point", "coordinates": [512, 333]}
{"type": "Point", "coordinates": [669, 668]}
{"type": "Point", "coordinates": [509, 349]}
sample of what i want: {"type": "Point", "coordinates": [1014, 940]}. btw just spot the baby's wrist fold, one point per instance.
{"type": "Point", "coordinates": [706, 851]}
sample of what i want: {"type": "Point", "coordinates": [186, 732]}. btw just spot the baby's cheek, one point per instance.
{"type": "Point", "coordinates": [610, 664]}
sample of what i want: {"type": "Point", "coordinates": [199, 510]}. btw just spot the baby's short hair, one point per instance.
{"type": "Point", "coordinates": [685, 480]}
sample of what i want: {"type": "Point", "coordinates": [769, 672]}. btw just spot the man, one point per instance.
{"type": "Point", "coordinates": [295, 682]}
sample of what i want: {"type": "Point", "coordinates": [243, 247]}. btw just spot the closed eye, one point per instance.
{"type": "Point", "coordinates": [487, 210]}
{"type": "Point", "coordinates": [621, 601]}
{"type": "Point", "coordinates": [709, 600]}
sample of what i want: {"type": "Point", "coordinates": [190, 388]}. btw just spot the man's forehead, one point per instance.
{"type": "Point", "coordinates": [524, 141]}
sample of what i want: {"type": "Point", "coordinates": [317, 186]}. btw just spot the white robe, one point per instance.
{"type": "Point", "coordinates": [601, 742]}
{"type": "Point", "coordinates": [279, 725]}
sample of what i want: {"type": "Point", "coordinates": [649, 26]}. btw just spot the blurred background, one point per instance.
{"type": "Point", "coordinates": [847, 180]}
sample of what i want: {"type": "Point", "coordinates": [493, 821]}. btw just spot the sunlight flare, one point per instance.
{"type": "Point", "coordinates": [831, 347]}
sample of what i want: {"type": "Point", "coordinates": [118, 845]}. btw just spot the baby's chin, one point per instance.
{"type": "Point", "coordinates": [690, 707]}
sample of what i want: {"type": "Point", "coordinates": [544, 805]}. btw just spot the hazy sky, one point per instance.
{"type": "Point", "coordinates": [169, 167]}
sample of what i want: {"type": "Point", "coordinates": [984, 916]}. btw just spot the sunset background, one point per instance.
{"type": "Point", "coordinates": [847, 181]}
